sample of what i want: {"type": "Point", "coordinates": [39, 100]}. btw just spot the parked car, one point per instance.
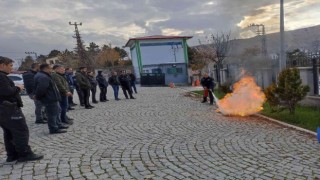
{"type": "Point", "coordinates": [18, 80]}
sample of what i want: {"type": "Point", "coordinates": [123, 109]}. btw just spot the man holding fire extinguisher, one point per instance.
{"type": "Point", "coordinates": [208, 85]}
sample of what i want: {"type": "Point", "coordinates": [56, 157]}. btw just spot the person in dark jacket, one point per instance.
{"type": "Point", "coordinates": [132, 82]}
{"type": "Point", "coordinates": [84, 85]}
{"type": "Point", "coordinates": [12, 121]}
{"type": "Point", "coordinates": [103, 85]}
{"type": "Point", "coordinates": [208, 85]}
{"type": "Point", "coordinates": [114, 82]}
{"type": "Point", "coordinates": [28, 80]}
{"type": "Point", "coordinates": [60, 80]}
{"type": "Point", "coordinates": [70, 78]}
{"type": "Point", "coordinates": [125, 85]}
{"type": "Point", "coordinates": [47, 92]}
{"type": "Point", "coordinates": [79, 92]}
{"type": "Point", "coordinates": [93, 83]}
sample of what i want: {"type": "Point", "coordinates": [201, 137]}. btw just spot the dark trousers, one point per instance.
{"type": "Point", "coordinates": [40, 111]}
{"type": "Point", "coordinates": [70, 98]}
{"type": "Point", "coordinates": [53, 115]}
{"type": "Point", "coordinates": [15, 132]}
{"type": "Point", "coordinates": [116, 91]}
{"type": "Point", "coordinates": [103, 93]}
{"type": "Point", "coordinates": [86, 95]}
{"type": "Point", "coordinates": [80, 95]}
{"type": "Point", "coordinates": [93, 93]}
{"type": "Point", "coordinates": [126, 89]}
{"type": "Point", "coordinates": [133, 86]}
{"type": "Point", "coordinates": [208, 92]}
{"type": "Point", "coordinates": [64, 108]}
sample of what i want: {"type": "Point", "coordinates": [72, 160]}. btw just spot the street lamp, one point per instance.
{"type": "Point", "coordinates": [282, 50]}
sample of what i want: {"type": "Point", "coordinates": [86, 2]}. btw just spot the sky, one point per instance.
{"type": "Point", "coordinates": [41, 26]}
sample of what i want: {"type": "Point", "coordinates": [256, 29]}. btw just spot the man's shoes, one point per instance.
{"type": "Point", "coordinates": [95, 102]}
{"type": "Point", "coordinates": [118, 99]}
{"type": "Point", "coordinates": [91, 106]}
{"type": "Point", "coordinates": [63, 127]}
{"type": "Point", "coordinates": [41, 122]}
{"type": "Point", "coordinates": [132, 98]}
{"type": "Point", "coordinates": [70, 108]}
{"type": "Point", "coordinates": [88, 107]}
{"type": "Point", "coordinates": [81, 104]}
{"type": "Point", "coordinates": [58, 131]}
{"type": "Point", "coordinates": [30, 157]}
{"type": "Point", "coordinates": [70, 119]}
{"type": "Point", "coordinates": [127, 98]}
{"type": "Point", "coordinates": [68, 122]}
{"type": "Point", "coordinates": [11, 158]}
{"type": "Point", "coordinates": [73, 104]}
{"type": "Point", "coordinates": [102, 100]}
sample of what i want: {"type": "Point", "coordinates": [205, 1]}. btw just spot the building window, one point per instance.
{"type": "Point", "coordinates": [174, 70]}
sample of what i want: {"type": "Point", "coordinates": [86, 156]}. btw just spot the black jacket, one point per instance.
{"type": "Point", "coordinates": [28, 80]}
{"type": "Point", "coordinates": [102, 82]}
{"type": "Point", "coordinates": [93, 81]}
{"type": "Point", "coordinates": [124, 80]}
{"type": "Point", "coordinates": [8, 91]}
{"type": "Point", "coordinates": [45, 89]}
{"type": "Point", "coordinates": [132, 77]}
{"type": "Point", "coordinates": [114, 80]}
{"type": "Point", "coordinates": [207, 82]}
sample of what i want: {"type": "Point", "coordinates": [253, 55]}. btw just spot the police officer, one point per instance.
{"type": "Point", "coordinates": [208, 86]}
{"type": "Point", "coordinates": [12, 121]}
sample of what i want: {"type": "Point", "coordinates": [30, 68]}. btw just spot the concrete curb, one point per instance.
{"type": "Point", "coordinates": [273, 120]}
{"type": "Point", "coordinates": [286, 124]}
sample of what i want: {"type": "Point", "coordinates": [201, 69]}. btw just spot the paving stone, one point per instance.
{"type": "Point", "coordinates": [164, 135]}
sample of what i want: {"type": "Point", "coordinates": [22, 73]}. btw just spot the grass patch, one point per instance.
{"type": "Point", "coordinates": [305, 117]}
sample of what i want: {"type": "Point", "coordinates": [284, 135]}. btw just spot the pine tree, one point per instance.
{"type": "Point", "coordinates": [288, 91]}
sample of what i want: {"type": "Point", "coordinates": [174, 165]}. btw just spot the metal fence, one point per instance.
{"type": "Point", "coordinates": [152, 79]}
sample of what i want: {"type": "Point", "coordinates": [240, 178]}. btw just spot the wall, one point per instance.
{"type": "Point", "coordinates": [161, 51]}
{"type": "Point", "coordinates": [135, 62]}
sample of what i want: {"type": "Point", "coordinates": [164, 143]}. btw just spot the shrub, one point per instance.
{"type": "Point", "coordinates": [288, 91]}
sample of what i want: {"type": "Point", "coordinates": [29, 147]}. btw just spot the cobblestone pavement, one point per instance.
{"type": "Point", "coordinates": [165, 135]}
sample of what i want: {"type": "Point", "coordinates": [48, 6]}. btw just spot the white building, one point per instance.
{"type": "Point", "coordinates": [165, 55]}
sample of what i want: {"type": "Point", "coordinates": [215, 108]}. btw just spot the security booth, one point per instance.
{"type": "Point", "coordinates": [160, 58]}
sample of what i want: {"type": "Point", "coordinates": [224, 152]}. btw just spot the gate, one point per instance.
{"type": "Point", "coordinates": [152, 79]}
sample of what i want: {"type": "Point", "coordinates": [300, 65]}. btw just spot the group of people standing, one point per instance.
{"type": "Point", "coordinates": [51, 88]}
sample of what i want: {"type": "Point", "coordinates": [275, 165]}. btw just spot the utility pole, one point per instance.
{"type": "Point", "coordinates": [282, 48]}
{"type": "Point", "coordinates": [32, 53]}
{"type": "Point", "coordinates": [84, 59]}
{"type": "Point", "coordinates": [262, 33]}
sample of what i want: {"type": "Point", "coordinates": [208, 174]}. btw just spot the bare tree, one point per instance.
{"type": "Point", "coordinates": [221, 44]}
{"type": "Point", "coordinates": [216, 51]}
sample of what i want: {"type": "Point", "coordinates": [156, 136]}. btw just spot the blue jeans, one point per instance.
{"type": "Point", "coordinates": [53, 115]}
{"type": "Point", "coordinates": [115, 91]}
{"type": "Point", "coordinates": [64, 108]}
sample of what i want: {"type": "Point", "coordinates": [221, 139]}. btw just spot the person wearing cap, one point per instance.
{"type": "Point", "coordinates": [12, 121]}
{"type": "Point", "coordinates": [84, 86]}
{"type": "Point", "coordinates": [58, 76]}
{"type": "Point", "coordinates": [103, 85]}
{"type": "Point", "coordinates": [47, 92]}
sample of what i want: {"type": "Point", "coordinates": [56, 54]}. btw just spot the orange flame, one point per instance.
{"type": "Point", "coordinates": [246, 99]}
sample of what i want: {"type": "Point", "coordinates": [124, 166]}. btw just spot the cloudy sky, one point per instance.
{"type": "Point", "coordinates": [40, 26]}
